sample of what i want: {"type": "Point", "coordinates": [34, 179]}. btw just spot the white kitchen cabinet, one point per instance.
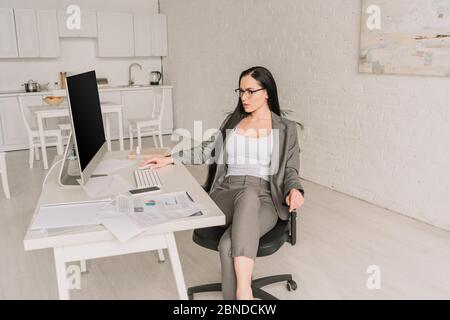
{"type": "Point", "coordinates": [88, 26]}
{"type": "Point", "coordinates": [110, 96]}
{"type": "Point", "coordinates": [159, 35]}
{"type": "Point", "coordinates": [115, 34]}
{"type": "Point", "coordinates": [13, 130]}
{"type": "Point", "coordinates": [8, 40]}
{"type": "Point", "coordinates": [27, 33]}
{"type": "Point", "coordinates": [150, 35]}
{"type": "Point", "coordinates": [47, 23]}
{"type": "Point", "coordinates": [142, 35]}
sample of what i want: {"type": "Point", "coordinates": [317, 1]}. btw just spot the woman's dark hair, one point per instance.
{"type": "Point", "coordinates": [266, 80]}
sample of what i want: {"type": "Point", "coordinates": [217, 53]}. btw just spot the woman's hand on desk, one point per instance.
{"type": "Point", "coordinates": [294, 200]}
{"type": "Point", "coordinates": [157, 162]}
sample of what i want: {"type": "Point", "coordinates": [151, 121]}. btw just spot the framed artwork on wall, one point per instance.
{"type": "Point", "coordinates": [405, 37]}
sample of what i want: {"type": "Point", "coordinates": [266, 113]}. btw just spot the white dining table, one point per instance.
{"type": "Point", "coordinates": [43, 112]}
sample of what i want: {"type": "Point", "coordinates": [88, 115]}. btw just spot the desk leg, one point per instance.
{"type": "Point", "coordinates": [161, 257]}
{"type": "Point", "coordinates": [176, 266]}
{"type": "Point", "coordinates": [83, 266]}
{"type": "Point", "coordinates": [61, 275]}
{"type": "Point", "coordinates": [108, 132]}
{"type": "Point", "coordinates": [119, 117]}
{"type": "Point", "coordinates": [42, 142]}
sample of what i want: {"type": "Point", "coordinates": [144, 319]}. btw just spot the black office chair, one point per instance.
{"type": "Point", "coordinates": [284, 231]}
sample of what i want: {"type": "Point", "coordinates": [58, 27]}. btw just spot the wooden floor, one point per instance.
{"type": "Point", "coordinates": [339, 237]}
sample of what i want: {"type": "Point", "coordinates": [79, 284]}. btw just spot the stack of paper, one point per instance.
{"type": "Point", "coordinates": [68, 215]}
{"type": "Point", "coordinates": [148, 211]}
{"type": "Point", "coordinates": [135, 214]}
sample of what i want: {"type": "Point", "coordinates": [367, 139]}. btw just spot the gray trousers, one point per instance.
{"type": "Point", "coordinates": [247, 204]}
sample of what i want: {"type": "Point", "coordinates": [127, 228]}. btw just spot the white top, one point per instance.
{"type": "Point", "coordinates": [249, 156]}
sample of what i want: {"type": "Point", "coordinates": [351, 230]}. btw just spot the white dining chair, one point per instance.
{"type": "Point", "coordinates": [4, 174]}
{"type": "Point", "coordinates": [53, 136]}
{"type": "Point", "coordinates": [149, 126]}
{"type": "Point", "coordinates": [66, 130]}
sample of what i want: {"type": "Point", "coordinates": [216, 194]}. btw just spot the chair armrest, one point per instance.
{"type": "Point", "coordinates": [293, 227]}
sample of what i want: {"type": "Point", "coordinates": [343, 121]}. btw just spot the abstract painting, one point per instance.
{"type": "Point", "coordinates": [405, 37]}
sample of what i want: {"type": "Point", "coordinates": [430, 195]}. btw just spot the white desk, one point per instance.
{"type": "Point", "coordinates": [43, 112]}
{"type": "Point", "coordinates": [98, 242]}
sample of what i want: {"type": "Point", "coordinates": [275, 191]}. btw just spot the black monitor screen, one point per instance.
{"type": "Point", "coordinates": [86, 115]}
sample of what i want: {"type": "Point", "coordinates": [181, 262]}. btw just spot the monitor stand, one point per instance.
{"type": "Point", "coordinates": [70, 172]}
{"type": "Point", "coordinates": [70, 169]}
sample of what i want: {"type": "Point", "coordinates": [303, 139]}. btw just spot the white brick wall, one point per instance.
{"type": "Point", "coordinates": [384, 139]}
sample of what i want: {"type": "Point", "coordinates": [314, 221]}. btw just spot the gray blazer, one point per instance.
{"type": "Point", "coordinates": [285, 166]}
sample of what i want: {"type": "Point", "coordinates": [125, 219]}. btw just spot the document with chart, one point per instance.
{"type": "Point", "coordinates": [128, 216]}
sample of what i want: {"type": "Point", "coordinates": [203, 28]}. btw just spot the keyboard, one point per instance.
{"type": "Point", "coordinates": [147, 178]}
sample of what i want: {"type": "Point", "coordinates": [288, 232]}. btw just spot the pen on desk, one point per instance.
{"type": "Point", "coordinates": [187, 193]}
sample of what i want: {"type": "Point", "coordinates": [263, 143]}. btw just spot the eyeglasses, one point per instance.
{"type": "Point", "coordinates": [249, 92]}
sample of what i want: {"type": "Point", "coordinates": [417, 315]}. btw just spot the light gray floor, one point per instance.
{"type": "Point", "coordinates": [339, 237]}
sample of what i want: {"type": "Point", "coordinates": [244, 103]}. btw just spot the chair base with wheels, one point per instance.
{"type": "Point", "coordinates": [284, 231]}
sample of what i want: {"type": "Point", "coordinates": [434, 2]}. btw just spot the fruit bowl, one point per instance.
{"type": "Point", "coordinates": [53, 100]}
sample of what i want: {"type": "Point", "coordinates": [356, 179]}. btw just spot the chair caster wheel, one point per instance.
{"type": "Point", "coordinates": [291, 285]}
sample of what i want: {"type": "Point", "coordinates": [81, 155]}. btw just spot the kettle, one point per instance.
{"type": "Point", "coordinates": [155, 77]}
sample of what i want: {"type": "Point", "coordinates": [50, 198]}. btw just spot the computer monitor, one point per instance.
{"type": "Point", "coordinates": [88, 135]}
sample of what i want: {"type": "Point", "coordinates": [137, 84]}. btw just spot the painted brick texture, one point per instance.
{"type": "Point", "coordinates": [383, 139]}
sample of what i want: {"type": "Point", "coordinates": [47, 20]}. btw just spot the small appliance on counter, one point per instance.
{"type": "Point", "coordinates": [155, 77]}
{"type": "Point", "coordinates": [34, 86]}
{"type": "Point", "coordinates": [102, 82]}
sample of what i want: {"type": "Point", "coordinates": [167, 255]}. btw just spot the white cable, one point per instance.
{"type": "Point", "coordinates": [50, 170]}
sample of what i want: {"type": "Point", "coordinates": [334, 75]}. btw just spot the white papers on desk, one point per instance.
{"type": "Point", "coordinates": [70, 215]}
{"type": "Point", "coordinates": [108, 166]}
{"type": "Point", "coordinates": [147, 211]}
{"type": "Point", "coordinates": [123, 227]}
{"type": "Point", "coordinates": [102, 187]}
{"type": "Point", "coordinates": [151, 211]}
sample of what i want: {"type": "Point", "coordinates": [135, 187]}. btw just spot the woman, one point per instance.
{"type": "Point", "coordinates": [256, 183]}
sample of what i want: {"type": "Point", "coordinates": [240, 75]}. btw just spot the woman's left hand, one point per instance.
{"type": "Point", "coordinates": [294, 199]}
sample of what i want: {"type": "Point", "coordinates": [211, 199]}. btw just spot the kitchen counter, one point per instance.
{"type": "Point", "coordinates": [131, 88]}
{"type": "Point", "coordinates": [14, 93]}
